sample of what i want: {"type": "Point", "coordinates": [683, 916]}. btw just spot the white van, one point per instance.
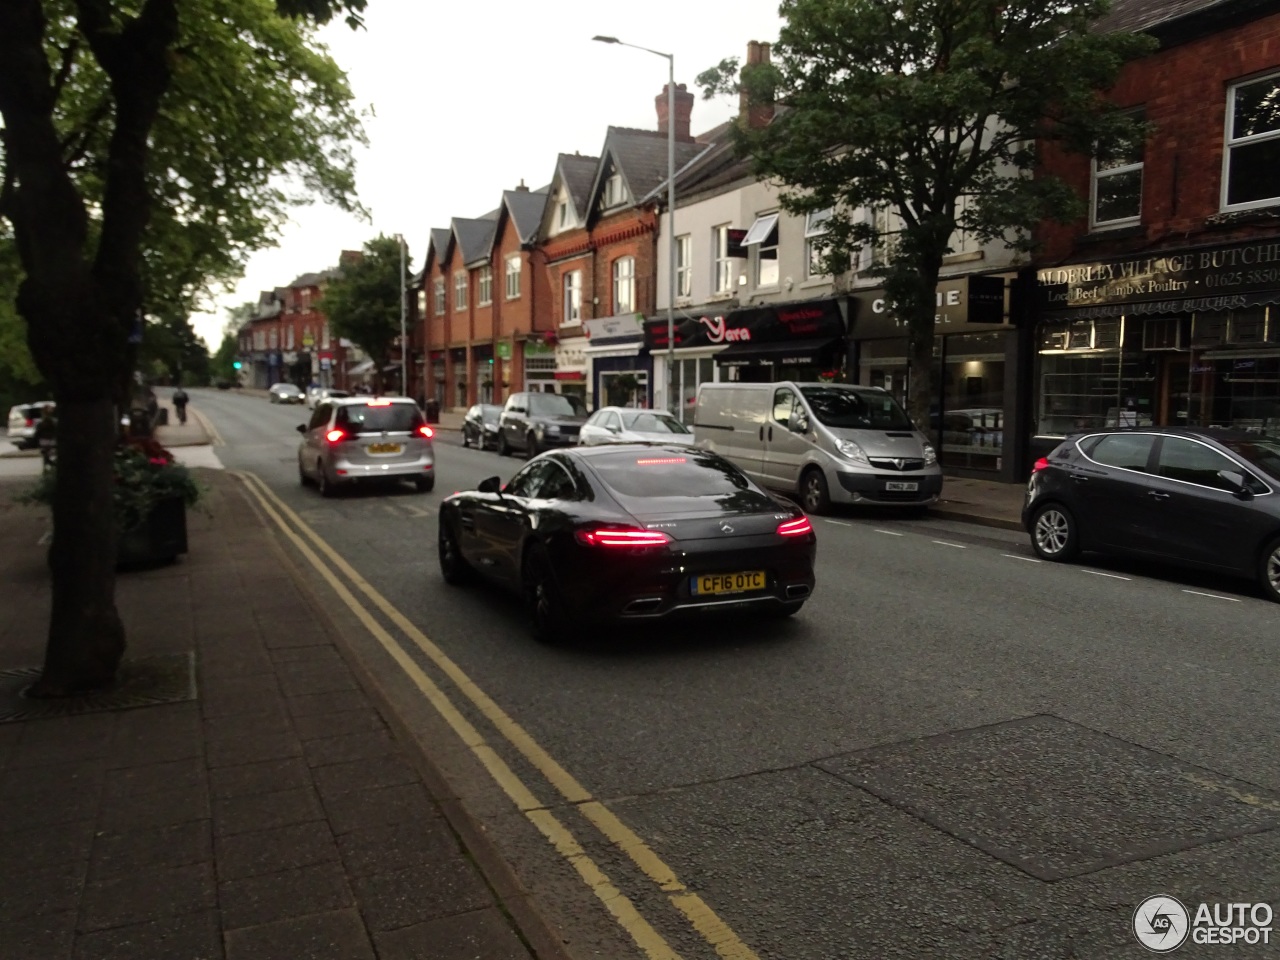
{"type": "Point", "coordinates": [820, 443]}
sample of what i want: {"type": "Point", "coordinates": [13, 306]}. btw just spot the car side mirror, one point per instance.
{"type": "Point", "coordinates": [799, 423]}
{"type": "Point", "coordinates": [1239, 483]}
{"type": "Point", "coordinates": [490, 485]}
{"type": "Point", "coordinates": [302, 428]}
{"type": "Point", "coordinates": [613, 429]}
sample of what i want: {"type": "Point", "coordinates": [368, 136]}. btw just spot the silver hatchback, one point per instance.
{"type": "Point", "coordinates": [352, 439]}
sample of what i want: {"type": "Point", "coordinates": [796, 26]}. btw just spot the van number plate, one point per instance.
{"type": "Point", "coordinates": [901, 485]}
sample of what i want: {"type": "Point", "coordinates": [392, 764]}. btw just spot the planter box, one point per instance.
{"type": "Point", "coordinates": [160, 538]}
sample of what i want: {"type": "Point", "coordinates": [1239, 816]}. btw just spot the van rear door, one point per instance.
{"type": "Point", "coordinates": [729, 419]}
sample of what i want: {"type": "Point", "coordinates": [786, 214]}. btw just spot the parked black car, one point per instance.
{"type": "Point", "coordinates": [1202, 498]}
{"type": "Point", "coordinates": [480, 425]}
{"type": "Point", "coordinates": [533, 422]}
{"type": "Point", "coordinates": [630, 531]}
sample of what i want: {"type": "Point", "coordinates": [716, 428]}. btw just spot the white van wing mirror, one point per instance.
{"type": "Point", "coordinates": [799, 423]}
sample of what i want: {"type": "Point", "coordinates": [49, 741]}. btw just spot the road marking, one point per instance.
{"type": "Point", "coordinates": [1113, 576]}
{"type": "Point", "coordinates": [945, 543]}
{"type": "Point", "coordinates": [1252, 799]}
{"type": "Point", "coordinates": [891, 533]}
{"type": "Point", "coordinates": [416, 511]}
{"type": "Point", "coordinates": [838, 523]}
{"type": "Point", "coordinates": [1212, 596]}
{"type": "Point", "coordinates": [727, 944]}
{"type": "Point", "coordinates": [1014, 556]}
{"type": "Point", "coordinates": [617, 903]}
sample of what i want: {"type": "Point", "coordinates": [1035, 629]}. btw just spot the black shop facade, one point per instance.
{"type": "Point", "coordinates": [1185, 337]}
{"type": "Point", "coordinates": [761, 344]}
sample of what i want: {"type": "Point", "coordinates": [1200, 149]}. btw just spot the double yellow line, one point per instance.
{"type": "Point", "coordinates": [704, 920]}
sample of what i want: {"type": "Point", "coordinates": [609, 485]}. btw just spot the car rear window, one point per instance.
{"type": "Point", "coordinates": [556, 405]}
{"type": "Point", "coordinates": [374, 417]}
{"type": "Point", "coordinates": [647, 422]}
{"type": "Point", "coordinates": [644, 475]}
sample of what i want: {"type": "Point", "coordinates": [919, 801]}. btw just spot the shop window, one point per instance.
{"type": "Point", "coordinates": [1253, 144]}
{"type": "Point", "coordinates": [1095, 389]}
{"type": "Point", "coordinates": [972, 421]}
{"type": "Point", "coordinates": [1162, 333]}
{"type": "Point", "coordinates": [1247, 326]}
{"type": "Point", "coordinates": [1208, 329]}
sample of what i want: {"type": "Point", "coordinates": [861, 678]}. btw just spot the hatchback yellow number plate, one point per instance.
{"type": "Point", "coordinates": [384, 448]}
{"type": "Point", "coordinates": [712, 584]}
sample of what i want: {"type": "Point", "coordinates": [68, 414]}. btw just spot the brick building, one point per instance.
{"type": "Point", "coordinates": [1163, 305]}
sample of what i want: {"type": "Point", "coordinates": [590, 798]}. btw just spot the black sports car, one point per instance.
{"type": "Point", "coordinates": [1202, 498]}
{"type": "Point", "coordinates": [630, 531]}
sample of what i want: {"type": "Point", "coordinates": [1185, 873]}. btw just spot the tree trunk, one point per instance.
{"type": "Point", "coordinates": [86, 636]}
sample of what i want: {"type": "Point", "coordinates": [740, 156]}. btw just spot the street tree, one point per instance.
{"type": "Point", "coordinates": [222, 363]}
{"type": "Point", "coordinates": [931, 111]}
{"type": "Point", "coordinates": [130, 126]}
{"type": "Point", "coordinates": [363, 301]}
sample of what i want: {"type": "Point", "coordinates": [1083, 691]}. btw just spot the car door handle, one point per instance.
{"type": "Point", "coordinates": [762, 433]}
{"type": "Point", "coordinates": [1157, 495]}
{"type": "Point", "coordinates": [1078, 478]}
{"type": "Point", "coordinates": [771, 433]}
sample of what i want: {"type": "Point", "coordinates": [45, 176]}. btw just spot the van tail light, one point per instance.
{"type": "Point", "coordinates": [426, 431]}
{"type": "Point", "coordinates": [1041, 464]}
{"type": "Point", "coordinates": [622, 537]}
{"type": "Point", "coordinates": [336, 436]}
{"type": "Point", "coordinates": [795, 528]}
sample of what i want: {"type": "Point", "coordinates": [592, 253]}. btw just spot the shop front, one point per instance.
{"type": "Point", "coordinates": [973, 375]}
{"type": "Point", "coordinates": [1182, 338]}
{"type": "Point", "coordinates": [539, 366]}
{"type": "Point", "coordinates": [618, 366]}
{"type": "Point", "coordinates": [436, 378]}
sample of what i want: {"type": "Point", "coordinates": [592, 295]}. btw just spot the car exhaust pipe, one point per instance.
{"type": "Point", "coordinates": [795, 591]}
{"type": "Point", "coordinates": [642, 606]}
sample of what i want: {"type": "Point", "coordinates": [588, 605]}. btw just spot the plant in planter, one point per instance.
{"type": "Point", "coordinates": [151, 493]}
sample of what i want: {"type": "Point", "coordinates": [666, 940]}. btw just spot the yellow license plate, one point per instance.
{"type": "Point", "coordinates": [384, 448]}
{"type": "Point", "coordinates": [717, 583]}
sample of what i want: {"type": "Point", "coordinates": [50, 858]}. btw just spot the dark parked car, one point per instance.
{"type": "Point", "coordinates": [630, 531]}
{"type": "Point", "coordinates": [480, 425]}
{"type": "Point", "coordinates": [533, 422]}
{"type": "Point", "coordinates": [1202, 498]}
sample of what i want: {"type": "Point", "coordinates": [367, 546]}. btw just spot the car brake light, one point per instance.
{"type": "Point", "coordinates": [1041, 464]}
{"type": "Point", "coordinates": [30, 422]}
{"type": "Point", "coordinates": [628, 537]}
{"type": "Point", "coordinates": [379, 403]}
{"type": "Point", "coordinates": [650, 461]}
{"type": "Point", "coordinates": [334, 436]}
{"type": "Point", "coordinates": [795, 528]}
{"type": "Point", "coordinates": [426, 431]}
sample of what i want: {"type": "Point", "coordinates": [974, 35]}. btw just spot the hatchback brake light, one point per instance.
{"type": "Point", "coordinates": [1041, 464]}
{"type": "Point", "coordinates": [379, 403]}
{"type": "Point", "coordinates": [336, 436]}
{"type": "Point", "coordinates": [426, 431]}
{"type": "Point", "coordinates": [624, 537]}
{"type": "Point", "coordinates": [795, 528]}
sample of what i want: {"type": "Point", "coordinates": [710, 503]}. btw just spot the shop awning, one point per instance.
{"type": "Point", "coordinates": [796, 353]}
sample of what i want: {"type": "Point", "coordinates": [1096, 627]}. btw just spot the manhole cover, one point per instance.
{"type": "Point", "coordinates": [1056, 799]}
{"type": "Point", "coordinates": [144, 682]}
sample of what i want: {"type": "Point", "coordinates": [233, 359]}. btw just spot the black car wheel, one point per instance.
{"type": "Point", "coordinates": [425, 484]}
{"type": "Point", "coordinates": [326, 486]}
{"type": "Point", "coordinates": [453, 567]}
{"type": "Point", "coordinates": [503, 449]}
{"type": "Point", "coordinates": [302, 476]}
{"type": "Point", "coordinates": [466, 437]}
{"type": "Point", "coordinates": [531, 446]}
{"type": "Point", "coordinates": [814, 496]}
{"type": "Point", "coordinates": [1054, 535]}
{"type": "Point", "coordinates": [1269, 570]}
{"type": "Point", "coordinates": [547, 614]}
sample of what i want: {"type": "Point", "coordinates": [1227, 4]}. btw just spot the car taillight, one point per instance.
{"type": "Point", "coordinates": [336, 436]}
{"type": "Point", "coordinates": [426, 431]}
{"type": "Point", "coordinates": [622, 537]}
{"type": "Point", "coordinates": [795, 528]}
{"type": "Point", "coordinates": [30, 422]}
{"type": "Point", "coordinates": [1041, 464]}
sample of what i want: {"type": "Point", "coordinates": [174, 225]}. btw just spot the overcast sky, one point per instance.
{"type": "Point", "coordinates": [470, 99]}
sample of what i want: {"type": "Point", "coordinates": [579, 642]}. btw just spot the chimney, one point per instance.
{"type": "Point", "coordinates": [684, 111]}
{"type": "Point", "coordinates": [522, 188]}
{"type": "Point", "coordinates": [757, 115]}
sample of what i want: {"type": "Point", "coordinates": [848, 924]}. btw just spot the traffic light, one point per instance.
{"type": "Point", "coordinates": [235, 364]}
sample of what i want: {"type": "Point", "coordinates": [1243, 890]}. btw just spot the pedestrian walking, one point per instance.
{"type": "Point", "coordinates": [47, 435]}
{"type": "Point", "coordinates": [180, 405]}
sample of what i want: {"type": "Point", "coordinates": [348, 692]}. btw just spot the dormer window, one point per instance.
{"type": "Point", "coordinates": [562, 214]}
{"type": "Point", "coordinates": [614, 191]}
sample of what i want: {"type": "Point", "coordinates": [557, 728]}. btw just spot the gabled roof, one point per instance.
{"type": "Point", "coordinates": [1134, 15]}
{"type": "Point", "coordinates": [640, 157]}
{"type": "Point", "coordinates": [577, 173]}
{"type": "Point", "coordinates": [475, 237]}
{"type": "Point", "coordinates": [438, 247]}
{"type": "Point", "coordinates": [525, 207]}
{"type": "Point", "coordinates": [310, 280]}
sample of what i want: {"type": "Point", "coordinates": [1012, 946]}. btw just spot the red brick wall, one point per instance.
{"type": "Point", "coordinates": [1183, 91]}
{"type": "Point", "coordinates": [629, 234]}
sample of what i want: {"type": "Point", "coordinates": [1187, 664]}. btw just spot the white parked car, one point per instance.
{"type": "Point", "coordinates": [628, 425]}
{"type": "Point", "coordinates": [22, 423]}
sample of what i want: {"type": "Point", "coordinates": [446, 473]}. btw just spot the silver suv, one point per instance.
{"type": "Point", "coordinates": [350, 439]}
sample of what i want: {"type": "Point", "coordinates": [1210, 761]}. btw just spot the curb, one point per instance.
{"type": "Point", "coordinates": [998, 523]}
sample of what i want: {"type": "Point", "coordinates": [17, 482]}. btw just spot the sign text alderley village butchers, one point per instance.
{"type": "Point", "coordinates": [1205, 272]}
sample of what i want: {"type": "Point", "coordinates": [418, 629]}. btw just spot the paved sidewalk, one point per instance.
{"type": "Point", "coordinates": [275, 816]}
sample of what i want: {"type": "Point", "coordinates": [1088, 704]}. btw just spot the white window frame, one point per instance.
{"type": "Point", "coordinates": [571, 310]}
{"type": "Point", "coordinates": [438, 293]}
{"type": "Point", "coordinates": [484, 286]}
{"type": "Point", "coordinates": [766, 226]}
{"type": "Point", "coordinates": [815, 225]}
{"type": "Point", "coordinates": [562, 214]}
{"type": "Point", "coordinates": [1232, 143]}
{"type": "Point", "coordinates": [722, 268]}
{"type": "Point", "coordinates": [684, 266]}
{"type": "Point", "coordinates": [460, 290]}
{"type": "Point", "coordinates": [514, 268]}
{"type": "Point", "coordinates": [289, 337]}
{"type": "Point", "coordinates": [614, 193]}
{"type": "Point", "coordinates": [1096, 175]}
{"type": "Point", "coordinates": [624, 285]}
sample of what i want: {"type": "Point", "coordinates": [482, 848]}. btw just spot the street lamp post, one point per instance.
{"type": "Point", "coordinates": [404, 364]}
{"type": "Point", "coordinates": [671, 213]}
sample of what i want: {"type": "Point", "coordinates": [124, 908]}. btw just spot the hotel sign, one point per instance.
{"type": "Point", "coordinates": [1208, 277]}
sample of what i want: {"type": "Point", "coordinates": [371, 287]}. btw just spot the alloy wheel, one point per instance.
{"type": "Point", "coordinates": [1053, 533]}
{"type": "Point", "coordinates": [1271, 571]}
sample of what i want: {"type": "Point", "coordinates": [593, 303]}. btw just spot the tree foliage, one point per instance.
{"type": "Point", "coordinates": [934, 111]}
{"type": "Point", "coordinates": [363, 303]}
